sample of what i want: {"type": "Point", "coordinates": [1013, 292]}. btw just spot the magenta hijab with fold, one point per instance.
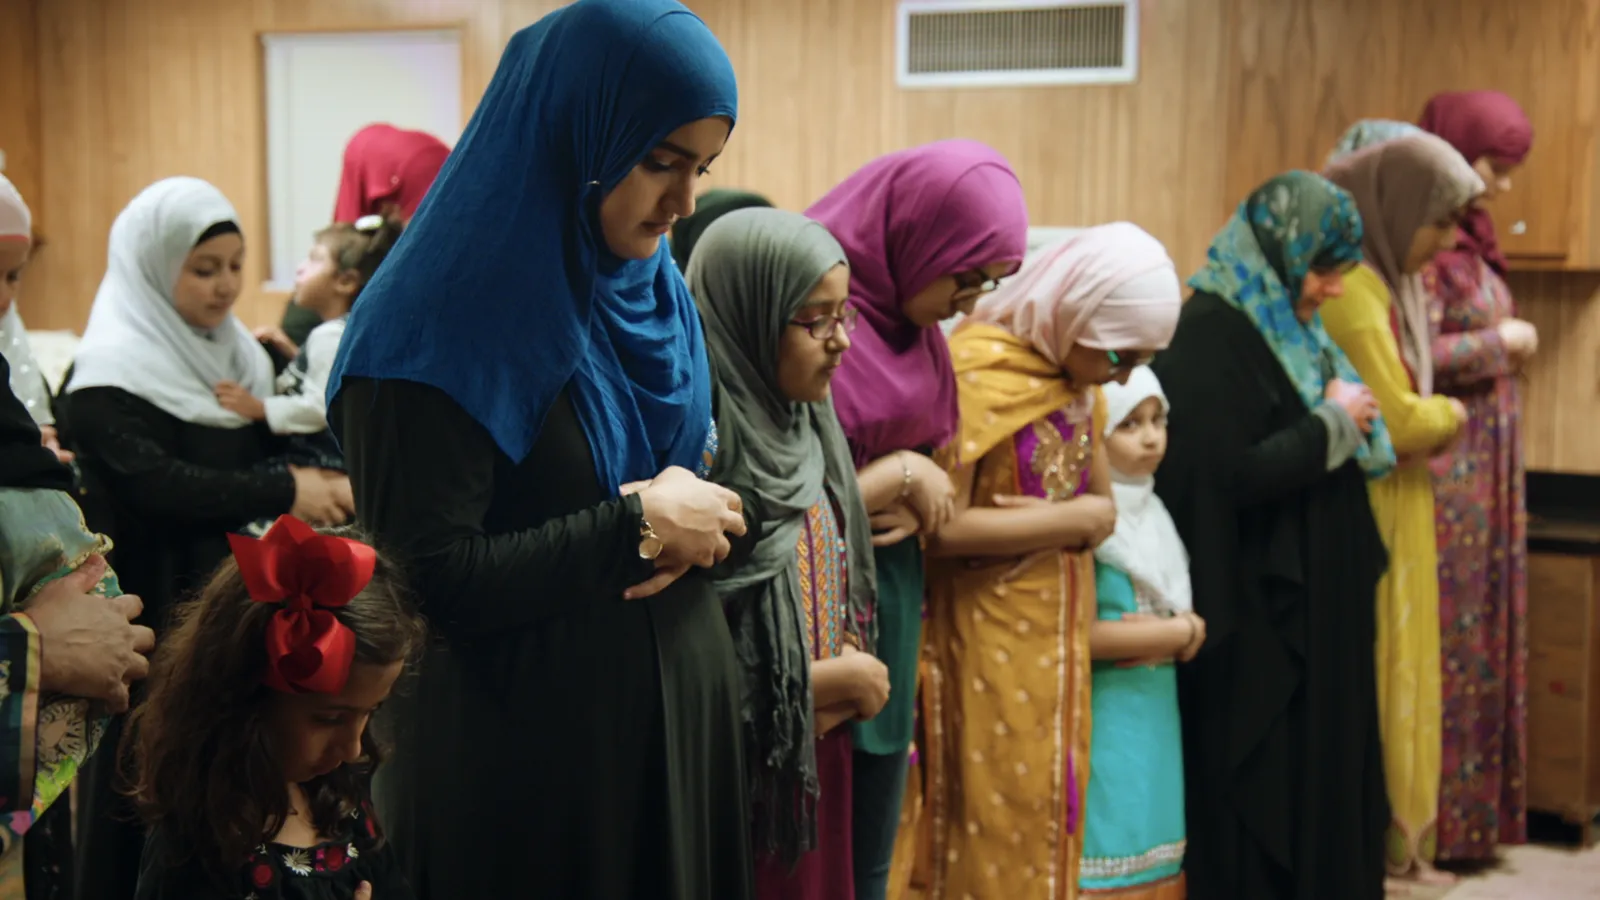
{"type": "Point", "coordinates": [906, 220]}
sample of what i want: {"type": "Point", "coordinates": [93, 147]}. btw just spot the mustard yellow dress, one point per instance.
{"type": "Point", "coordinates": [1408, 594]}
{"type": "Point", "coordinates": [1006, 653]}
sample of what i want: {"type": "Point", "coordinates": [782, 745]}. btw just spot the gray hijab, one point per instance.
{"type": "Point", "coordinates": [750, 273]}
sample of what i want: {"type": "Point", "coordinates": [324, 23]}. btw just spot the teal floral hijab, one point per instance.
{"type": "Point", "coordinates": [1258, 263]}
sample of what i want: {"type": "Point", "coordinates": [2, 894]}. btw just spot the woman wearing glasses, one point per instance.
{"type": "Point", "coordinates": [926, 231]}
{"type": "Point", "coordinates": [773, 291]}
{"type": "Point", "coordinates": [1013, 584]}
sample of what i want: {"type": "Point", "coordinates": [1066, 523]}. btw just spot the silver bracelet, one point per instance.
{"type": "Point", "coordinates": [905, 471]}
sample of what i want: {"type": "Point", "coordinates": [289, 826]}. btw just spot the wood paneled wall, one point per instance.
{"type": "Point", "coordinates": [131, 91]}
{"type": "Point", "coordinates": [123, 92]}
{"type": "Point", "coordinates": [136, 90]}
{"type": "Point", "coordinates": [818, 99]}
{"type": "Point", "coordinates": [19, 98]}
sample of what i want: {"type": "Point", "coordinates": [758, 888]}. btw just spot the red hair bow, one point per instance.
{"type": "Point", "coordinates": [309, 651]}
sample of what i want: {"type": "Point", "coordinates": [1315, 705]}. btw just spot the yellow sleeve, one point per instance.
{"type": "Point", "coordinates": [1359, 323]}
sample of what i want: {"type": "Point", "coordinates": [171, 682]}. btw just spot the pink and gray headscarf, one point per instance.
{"type": "Point", "coordinates": [906, 220]}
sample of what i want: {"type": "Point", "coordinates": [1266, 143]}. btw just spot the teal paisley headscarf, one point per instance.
{"type": "Point", "coordinates": [1258, 262]}
{"type": "Point", "coordinates": [1367, 132]}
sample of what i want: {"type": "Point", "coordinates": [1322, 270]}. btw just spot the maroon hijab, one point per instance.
{"type": "Point", "coordinates": [1479, 124]}
{"type": "Point", "coordinates": [385, 167]}
{"type": "Point", "coordinates": [906, 220]}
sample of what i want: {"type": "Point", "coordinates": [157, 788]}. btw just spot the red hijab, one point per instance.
{"type": "Point", "coordinates": [384, 166]}
{"type": "Point", "coordinates": [1479, 124]}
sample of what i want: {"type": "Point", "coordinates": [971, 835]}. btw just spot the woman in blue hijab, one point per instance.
{"type": "Point", "coordinates": [523, 399]}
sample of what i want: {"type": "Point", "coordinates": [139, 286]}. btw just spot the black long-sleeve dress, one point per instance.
{"type": "Point", "coordinates": [560, 741]}
{"type": "Point", "coordinates": [1284, 770]}
{"type": "Point", "coordinates": [175, 490]}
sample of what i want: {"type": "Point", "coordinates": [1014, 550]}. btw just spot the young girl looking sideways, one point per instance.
{"type": "Point", "coordinates": [773, 289]}
{"type": "Point", "coordinates": [339, 265]}
{"type": "Point", "coordinates": [251, 755]}
{"type": "Point", "coordinates": [1133, 815]}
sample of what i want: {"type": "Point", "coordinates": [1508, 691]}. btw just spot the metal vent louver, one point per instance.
{"type": "Point", "coordinates": [1003, 43]}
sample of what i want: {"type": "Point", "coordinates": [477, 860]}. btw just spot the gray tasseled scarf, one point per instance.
{"type": "Point", "coordinates": [750, 274]}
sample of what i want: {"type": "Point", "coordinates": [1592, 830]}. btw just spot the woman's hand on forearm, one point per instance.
{"type": "Point", "coordinates": [1017, 526]}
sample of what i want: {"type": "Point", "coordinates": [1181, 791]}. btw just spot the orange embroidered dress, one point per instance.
{"type": "Point", "coordinates": [1006, 696]}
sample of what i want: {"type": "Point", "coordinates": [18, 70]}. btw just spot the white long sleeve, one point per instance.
{"type": "Point", "coordinates": [301, 407]}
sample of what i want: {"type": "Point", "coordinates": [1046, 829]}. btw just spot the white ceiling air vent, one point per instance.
{"type": "Point", "coordinates": [1007, 43]}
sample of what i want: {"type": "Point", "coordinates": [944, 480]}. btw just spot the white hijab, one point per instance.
{"type": "Point", "coordinates": [1145, 543]}
{"type": "Point", "coordinates": [27, 382]}
{"type": "Point", "coordinates": [136, 340]}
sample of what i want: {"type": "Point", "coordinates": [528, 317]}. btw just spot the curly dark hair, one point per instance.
{"type": "Point", "coordinates": [199, 759]}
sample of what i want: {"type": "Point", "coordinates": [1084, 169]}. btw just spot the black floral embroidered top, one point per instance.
{"type": "Point", "coordinates": [329, 871]}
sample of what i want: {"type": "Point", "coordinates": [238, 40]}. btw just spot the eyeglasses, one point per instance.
{"type": "Point", "coordinates": [823, 327]}
{"type": "Point", "coordinates": [973, 284]}
{"type": "Point", "coordinates": [1128, 359]}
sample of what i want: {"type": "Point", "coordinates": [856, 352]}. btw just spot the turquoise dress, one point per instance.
{"type": "Point", "coordinates": [1134, 817]}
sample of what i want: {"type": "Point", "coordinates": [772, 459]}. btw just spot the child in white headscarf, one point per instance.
{"type": "Point", "coordinates": [1134, 815]}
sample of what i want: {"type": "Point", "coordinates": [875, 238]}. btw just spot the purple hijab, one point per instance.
{"type": "Point", "coordinates": [906, 220]}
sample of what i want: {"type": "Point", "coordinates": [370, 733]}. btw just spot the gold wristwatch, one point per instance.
{"type": "Point", "coordinates": [650, 545]}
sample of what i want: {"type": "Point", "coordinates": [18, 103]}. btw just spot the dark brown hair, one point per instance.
{"type": "Point", "coordinates": [361, 250]}
{"type": "Point", "coordinates": [202, 765]}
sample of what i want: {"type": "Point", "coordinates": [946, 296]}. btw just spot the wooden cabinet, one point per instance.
{"type": "Point", "coordinates": [1564, 687]}
{"type": "Point", "coordinates": [1533, 53]}
{"type": "Point", "coordinates": [1307, 69]}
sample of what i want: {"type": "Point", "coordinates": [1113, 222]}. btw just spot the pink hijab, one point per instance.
{"type": "Point", "coordinates": [1479, 124]}
{"type": "Point", "coordinates": [906, 220]}
{"type": "Point", "coordinates": [1111, 287]}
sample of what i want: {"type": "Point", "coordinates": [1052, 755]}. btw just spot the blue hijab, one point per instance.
{"type": "Point", "coordinates": [502, 292]}
{"type": "Point", "coordinates": [1258, 263]}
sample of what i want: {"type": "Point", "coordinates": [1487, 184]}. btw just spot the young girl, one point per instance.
{"type": "Point", "coordinates": [1133, 833]}
{"type": "Point", "coordinates": [773, 289]}
{"type": "Point", "coordinates": [251, 756]}
{"type": "Point", "coordinates": [327, 283]}
{"type": "Point", "coordinates": [1012, 588]}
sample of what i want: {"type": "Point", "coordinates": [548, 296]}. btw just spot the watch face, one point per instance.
{"type": "Point", "coordinates": [650, 547]}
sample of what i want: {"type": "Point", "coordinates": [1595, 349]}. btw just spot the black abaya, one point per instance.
{"type": "Point", "coordinates": [561, 741]}
{"type": "Point", "coordinates": [24, 460]}
{"type": "Point", "coordinates": [1284, 770]}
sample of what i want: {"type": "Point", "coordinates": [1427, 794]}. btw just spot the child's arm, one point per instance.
{"type": "Point", "coordinates": [832, 683]}
{"type": "Point", "coordinates": [1139, 636]}
{"type": "Point", "coordinates": [830, 717]}
{"type": "Point", "coordinates": [853, 685]}
{"type": "Point", "coordinates": [307, 411]}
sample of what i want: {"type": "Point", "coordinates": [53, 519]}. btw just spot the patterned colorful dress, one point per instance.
{"type": "Point", "coordinates": [826, 873]}
{"type": "Point", "coordinates": [1006, 694]}
{"type": "Point", "coordinates": [1483, 595]}
{"type": "Point", "coordinates": [42, 538]}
